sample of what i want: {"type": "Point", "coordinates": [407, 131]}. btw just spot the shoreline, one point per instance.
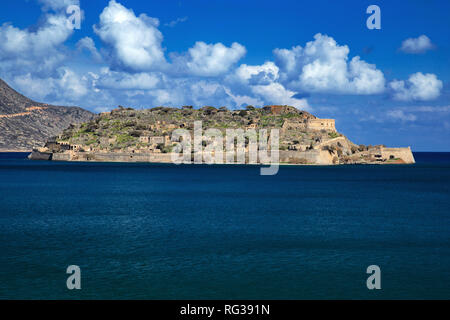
{"type": "Point", "coordinates": [15, 151]}
{"type": "Point", "coordinates": [312, 157]}
{"type": "Point", "coordinates": [224, 164]}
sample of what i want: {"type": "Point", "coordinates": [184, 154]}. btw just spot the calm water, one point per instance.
{"type": "Point", "coordinates": [200, 232]}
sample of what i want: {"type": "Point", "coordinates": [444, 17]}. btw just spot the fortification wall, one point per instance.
{"type": "Point", "coordinates": [296, 125]}
{"type": "Point", "coordinates": [401, 153]}
{"type": "Point", "coordinates": [116, 157]}
{"type": "Point", "coordinates": [310, 157]}
{"type": "Point", "coordinates": [61, 157]}
{"type": "Point", "coordinates": [315, 156]}
{"type": "Point", "coordinates": [306, 157]}
{"type": "Point", "coordinates": [321, 124]}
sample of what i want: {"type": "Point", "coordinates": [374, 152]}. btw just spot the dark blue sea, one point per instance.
{"type": "Point", "coordinates": [153, 231]}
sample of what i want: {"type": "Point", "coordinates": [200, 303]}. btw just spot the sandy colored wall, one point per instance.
{"type": "Point", "coordinates": [403, 153]}
{"type": "Point", "coordinates": [117, 157]}
{"type": "Point", "coordinates": [319, 124]}
{"type": "Point", "coordinates": [311, 156]}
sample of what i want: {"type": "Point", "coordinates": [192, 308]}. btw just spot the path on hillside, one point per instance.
{"type": "Point", "coordinates": [20, 114]}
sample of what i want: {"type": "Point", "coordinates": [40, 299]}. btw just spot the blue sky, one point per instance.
{"type": "Point", "coordinates": [388, 86]}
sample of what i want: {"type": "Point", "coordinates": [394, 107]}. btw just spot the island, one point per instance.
{"type": "Point", "coordinates": [129, 135]}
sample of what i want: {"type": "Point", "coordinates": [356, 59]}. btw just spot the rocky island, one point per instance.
{"type": "Point", "coordinates": [128, 135]}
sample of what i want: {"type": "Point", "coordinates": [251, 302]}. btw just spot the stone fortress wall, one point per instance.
{"type": "Point", "coordinates": [113, 157]}
{"type": "Point", "coordinates": [310, 124]}
{"type": "Point", "coordinates": [319, 124]}
{"type": "Point", "coordinates": [398, 153]}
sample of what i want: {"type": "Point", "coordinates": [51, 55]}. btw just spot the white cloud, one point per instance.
{"type": "Point", "coordinates": [259, 74]}
{"type": "Point", "coordinates": [412, 113]}
{"type": "Point", "coordinates": [175, 22]}
{"type": "Point", "coordinates": [258, 85]}
{"type": "Point", "coordinates": [125, 81]}
{"type": "Point", "coordinates": [431, 109]}
{"type": "Point", "coordinates": [20, 49]}
{"type": "Point", "coordinates": [401, 115]}
{"type": "Point", "coordinates": [88, 44]}
{"type": "Point", "coordinates": [34, 88]}
{"type": "Point", "coordinates": [417, 45]}
{"type": "Point", "coordinates": [65, 87]}
{"type": "Point", "coordinates": [135, 42]}
{"type": "Point", "coordinates": [275, 93]}
{"type": "Point", "coordinates": [240, 100]}
{"type": "Point", "coordinates": [58, 4]}
{"type": "Point", "coordinates": [419, 86]}
{"type": "Point", "coordinates": [73, 86]}
{"type": "Point", "coordinates": [208, 60]}
{"type": "Point", "coordinates": [51, 35]}
{"type": "Point", "coordinates": [322, 66]}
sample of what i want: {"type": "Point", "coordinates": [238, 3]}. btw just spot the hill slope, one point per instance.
{"type": "Point", "coordinates": [25, 124]}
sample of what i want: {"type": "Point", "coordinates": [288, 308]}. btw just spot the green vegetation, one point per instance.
{"type": "Point", "coordinates": [333, 135]}
{"type": "Point", "coordinates": [124, 138]}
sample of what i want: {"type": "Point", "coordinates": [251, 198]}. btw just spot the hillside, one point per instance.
{"type": "Point", "coordinates": [25, 124]}
{"type": "Point", "coordinates": [125, 128]}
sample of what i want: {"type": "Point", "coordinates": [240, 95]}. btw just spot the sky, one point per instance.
{"type": "Point", "coordinates": [383, 86]}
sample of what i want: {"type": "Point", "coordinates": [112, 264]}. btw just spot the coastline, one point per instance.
{"type": "Point", "coordinates": [15, 151]}
{"type": "Point", "coordinates": [166, 158]}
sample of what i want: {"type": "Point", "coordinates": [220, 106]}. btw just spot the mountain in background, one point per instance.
{"type": "Point", "coordinates": [25, 124]}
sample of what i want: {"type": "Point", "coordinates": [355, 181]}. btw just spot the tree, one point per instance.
{"type": "Point", "coordinates": [243, 113]}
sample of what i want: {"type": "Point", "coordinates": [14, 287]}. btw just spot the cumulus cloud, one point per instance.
{"type": "Point", "coordinates": [259, 74]}
{"type": "Point", "coordinates": [419, 86]}
{"type": "Point", "coordinates": [21, 48]}
{"type": "Point", "coordinates": [322, 66]}
{"type": "Point", "coordinates": [134, 42]}
{"type": "Point", "coordinates": [275, 93]}
{"type": "Point", "coordinates": [208, 60]}
{"type": "Point", "coordinates": [260, 82]}
{"type": "Point", "coordinates": [420, 44]}
{"type": "Point", "coordinates": [65, 84]}
{"type": "Point", "coordinates": [124, 81]}
{"type": "Point", "coordinates": [88, 44]}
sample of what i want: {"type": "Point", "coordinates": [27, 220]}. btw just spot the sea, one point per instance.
{"type": "Point", "coordinates": [164, 231]}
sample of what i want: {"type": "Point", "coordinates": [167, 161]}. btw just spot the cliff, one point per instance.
{"type": "Point", "coordinates": [25, 123]}
{"type": "Point", "coordinates": [125, 134]}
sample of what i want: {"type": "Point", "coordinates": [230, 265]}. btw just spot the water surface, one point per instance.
{"type": "Point", "coordinates": [160, 231]}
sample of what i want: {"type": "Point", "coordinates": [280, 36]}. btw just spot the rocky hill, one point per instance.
{"type": "Point", "coordinates": [126, 128]}
{"type": "Point", "coordinates": [25, 124]}
{"type": "Point", "coordinates": [125, 134]}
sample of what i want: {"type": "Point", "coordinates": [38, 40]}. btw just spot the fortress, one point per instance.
{"type": "Point", "coordinates": [306, 121]}
{"type": "Point", "coordinates": [129, 135]}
